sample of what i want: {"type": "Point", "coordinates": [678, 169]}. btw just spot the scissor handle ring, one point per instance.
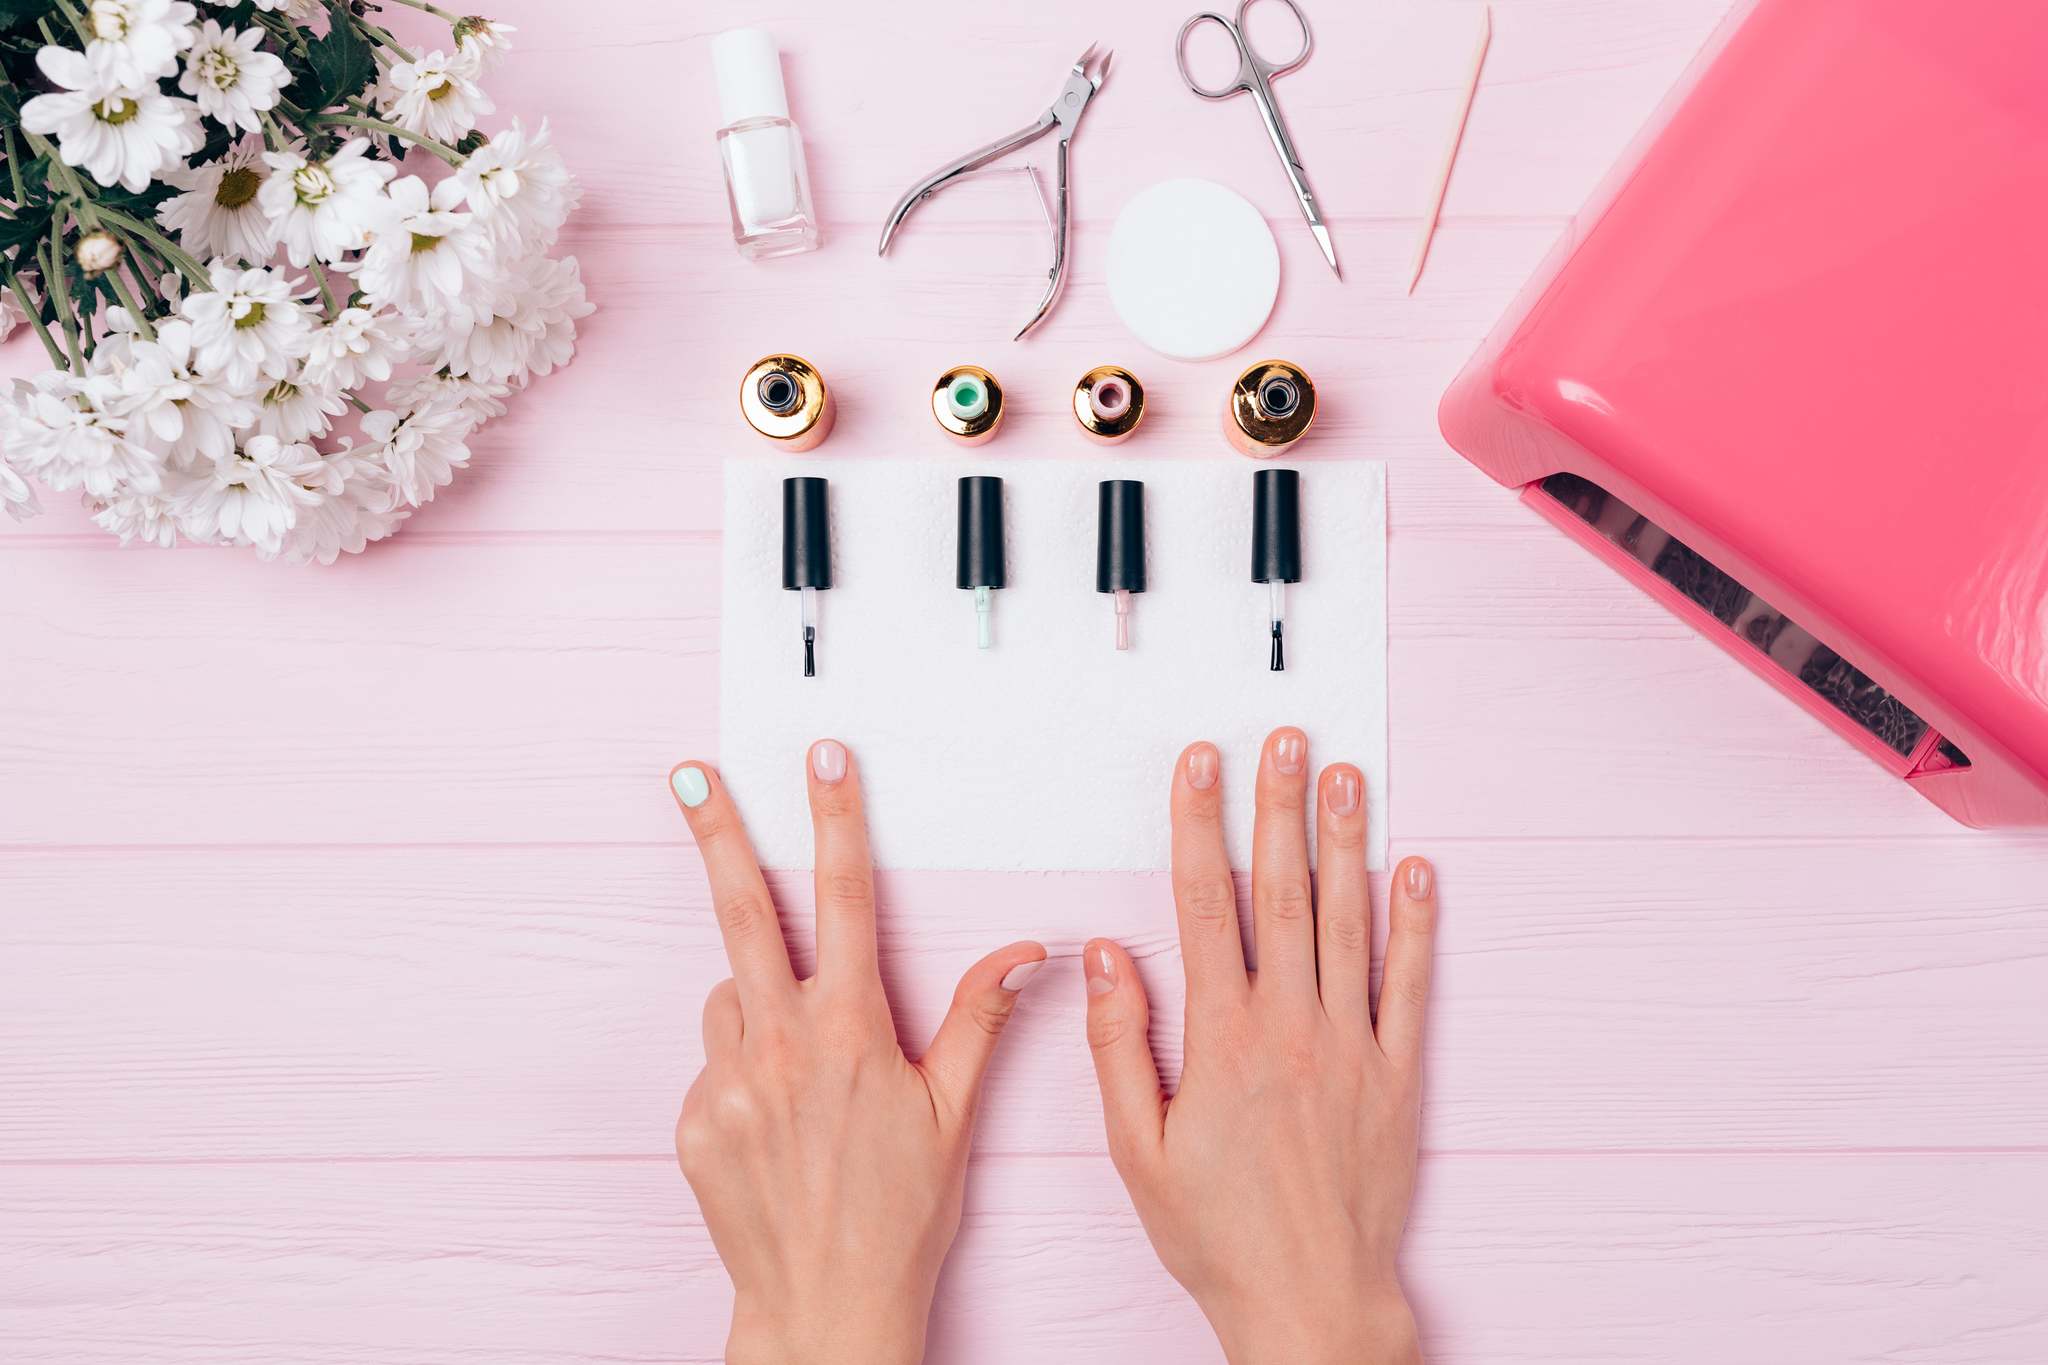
{"type": "Point", "coordinates": [1264, 66]}
{"type": "Point", "coordinates": [1244, 57]}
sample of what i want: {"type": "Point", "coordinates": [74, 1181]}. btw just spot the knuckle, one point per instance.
{"type": "Point", "coordinates": [1347, 933]}
{"type": "Point", "coordinates": [1289, 901]}
{"type": "Point", "coordinates": [1300, 1059]}
{"type": "Point", "coordinates": [734, 1111]}
{"type": "Point", "coordinates": [1345, 836]}
{"type": "Point", "coordinates": [1209, 900]}
{"type": "Point", "coordinates": [1107, 1029]}
{"type": "Point", "coordinates": [1414, 917]}
{"type": "Point", "coordinates": [850, 887]}
{"type": "Point", "coordinates": [990, 1015]}
{"type": "Point", "coordinates": [744, 916]}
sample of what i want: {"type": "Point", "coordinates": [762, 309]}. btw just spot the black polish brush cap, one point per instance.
{"type": "Point", "coordinates": [981, 562]}
{"type": "Point", "coordinates": [1120, 536]}
{"type": "Point", "coordinates": [1276, 526]}
{"type": "Point", "coordinates": [806, 535]}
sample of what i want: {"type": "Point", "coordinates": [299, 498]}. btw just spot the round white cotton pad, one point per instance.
{"type": "Point", "coordinates": [1193, 269]}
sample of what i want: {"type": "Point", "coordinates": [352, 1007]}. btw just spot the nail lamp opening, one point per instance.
{"type": "Point", "coordinates": [1786, 374]}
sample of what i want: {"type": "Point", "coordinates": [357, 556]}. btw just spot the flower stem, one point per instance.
{"type": "Point", "coordinates": [377, 36]}
{"type": "Point", "coordinates": [120, 284]}
{"type": "Point", "coordinates": [356, 399]}
{"type": "Point", "coordinates": [59, 294]}
{"type": "Point", "coordinates": [434, 10]}
{"type": "Point", "coordinates": [35, 316]}
{"type": "Point", "coordinates": [440, 149]}
{"type": "Point", "coordinates": [14, 165]}
{"type": "Point", "coordinates": [170, 250]}
{"type": "Point", "coordinates": [320, 277]}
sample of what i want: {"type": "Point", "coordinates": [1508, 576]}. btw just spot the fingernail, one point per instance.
{"type": "Point", "coordinates": [1101, 969]}
{"type": "Point", "coordinates": [693, 789]}
{"type": "Point", "coordinates": [1014, 979]}
{"type": "Point", "coordinates": [1421, 879]}
{"type": "Point", "coordinates": [828, 760]}
{"type": "Point", "coordinates": [1290, 751]}
{"type": "Point", "coordinates": [1343, 798]}
{"type": "Point", "coordinates": [1202, 767]}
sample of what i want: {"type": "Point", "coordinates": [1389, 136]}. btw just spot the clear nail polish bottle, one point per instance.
{"type": "Point", "coordinates": [765, 182]}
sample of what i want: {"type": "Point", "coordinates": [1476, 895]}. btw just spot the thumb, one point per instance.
{"type": "Point", "coordinates": [1118, 1019]}
{"type": "Point", "coordinates": [959, 1055]}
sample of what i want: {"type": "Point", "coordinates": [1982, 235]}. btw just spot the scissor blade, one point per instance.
{"type": "Point", "coordinates": [1329, 248]}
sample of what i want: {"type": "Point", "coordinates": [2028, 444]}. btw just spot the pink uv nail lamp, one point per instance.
{"type": "Point", "coordinates": [1789, 373]}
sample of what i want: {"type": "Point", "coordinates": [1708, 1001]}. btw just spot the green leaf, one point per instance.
{"type": "Point", "coordinates": [29, 227]}
{"type": "Point", "coordinates": [24, 13]}
{"type": "Point", "coordinates": [342, 64]}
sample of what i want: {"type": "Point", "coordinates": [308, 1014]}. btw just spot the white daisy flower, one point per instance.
{"type": "Point", "coordinates": [152, 518]}
{"type": "Point", "coordinates": [190, 417]}
{"type": "Point", "coordinates": [298, 409]}
{"type": "Point", "coordinates": [16, 494]}
{"type": "Point", "coordinates": [436, 95]}
{"type": "Point", "coordinates": [327, 208]}
{"type": "Point", "coordinates": [480, 402]}
{"type": "Point", "coordinates": [354, 507]}
{"type": "Point", "coordinates": [486, 40]}
{"type": "Point", "coordinates": [358, 346]}
{"type": "Point", "coordinates": [232, 81]}
{"type": "Point", "coordinates": [426, 255]}
{"type": "Point", "coordinates": [298, 11]}
{"type": "Point", "coordinates": [530, 330]}
{"type": "Point", "coordinates": [67, 431]}
{"type": "Point", "coordinates": [134, 42]}
{"type": "Point", "coordinates": [420, 451]}
{"type": "Point", "coordinates": [249, 325]}
{"type": "Point", "coordinates": [519, 188]}
{"type": "Point", "coordinates": [219, 213]}
{"type": "Point", "coordinates": [254, 496]}
{"type": "Point", "coordinates": [121, 134]}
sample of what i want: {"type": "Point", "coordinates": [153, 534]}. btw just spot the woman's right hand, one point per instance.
{"type": "Point", "coordinates": [1275, 1184]}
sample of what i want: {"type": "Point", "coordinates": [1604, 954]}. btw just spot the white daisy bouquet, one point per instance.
{"type": "Point", "coordinates": [280, 273]}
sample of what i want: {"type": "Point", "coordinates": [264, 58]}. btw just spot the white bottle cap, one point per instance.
{"type": "Point", "coordinates": [749, 72]}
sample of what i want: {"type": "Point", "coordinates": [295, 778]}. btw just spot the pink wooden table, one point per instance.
{"type": "Point", "coordinates": [350, 962]}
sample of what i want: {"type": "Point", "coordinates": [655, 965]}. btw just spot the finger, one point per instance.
{"type": "Point", "coordinates": [746, 916]}
{"type": "Point", "coordinates": [1343, 907]}
{"type": "Point", "coordinates": [1133, 1109]}
{"type": "Point", "coordinates": [1283, 906]}
{"type": "Point", "coordinates": [1411, 948]}
{"type": "Point", "coordinates": [845, 877]}
{"type": "Point", "coordinates": [722, 1022]}
{"type": "Point", "coordinates": [1204, 898]}
{"type": "Point", "coordinates": [960, 1052]}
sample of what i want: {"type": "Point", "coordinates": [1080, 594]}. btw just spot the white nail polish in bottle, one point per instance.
{"type": "Point", "coordinates": [765, 181]}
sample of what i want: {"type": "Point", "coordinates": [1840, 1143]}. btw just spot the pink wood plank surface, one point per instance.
{"type": "Point", "coordinates": [349, 964]}
{"type": "Point", "coordinates": [1514, 1260]}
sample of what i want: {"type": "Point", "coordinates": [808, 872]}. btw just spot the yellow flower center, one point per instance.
{"type": "Point", "coordinates": [422, 242]}
{"type": "Point", "coordinates": [441, 89]}
{"type": "Point", "coordinates": [312, 184]}
{"type": "Point", "coordinates": [116, 110]}
{"type": "Point", "coordinates": [252, 318]}
{"type": "Point", "coordinates": [237, 188]}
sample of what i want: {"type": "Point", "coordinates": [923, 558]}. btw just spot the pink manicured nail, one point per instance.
{"type": "Point", "coordinates": [1421, 879]}
{"type": "Point", "coordinates": [1290, 752]}
{"type": "Point", "coordinates": [1101, 969]}
{"type": "Point", "coordinates": [1343, 797]}
{"type": "Point", "coordinates": [828, 760]}
{"type": "Point", "coordinates": [1202, 767]}
{"type": "Point", "coordinates": [1014, 979]}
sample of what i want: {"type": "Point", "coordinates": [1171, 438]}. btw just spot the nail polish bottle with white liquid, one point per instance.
{"type": "Point", "coordinates": [765, 182]}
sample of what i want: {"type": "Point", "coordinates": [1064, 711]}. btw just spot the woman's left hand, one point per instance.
{"type": "Point", "coordinates": [829, 1166]}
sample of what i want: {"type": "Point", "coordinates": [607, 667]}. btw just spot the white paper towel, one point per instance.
{"type": "Point", "coordinates": [1051, 751]}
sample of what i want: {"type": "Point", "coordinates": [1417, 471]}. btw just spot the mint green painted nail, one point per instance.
{"type": "Point", "coordinates": [692, 787]}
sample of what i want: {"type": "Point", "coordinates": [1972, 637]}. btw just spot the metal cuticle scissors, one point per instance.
{"type": "Point", "coordinates": [1255, 76]}
{"type": "Point", "coordinates": [1089, 71]}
